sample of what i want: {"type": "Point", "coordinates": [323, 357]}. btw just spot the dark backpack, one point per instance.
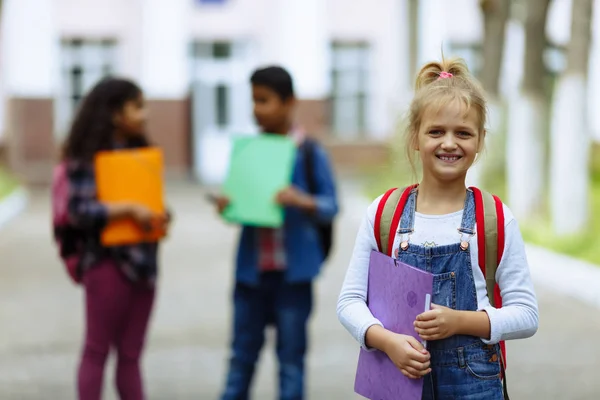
{"type": "Point", "coordinates": [325, 230]}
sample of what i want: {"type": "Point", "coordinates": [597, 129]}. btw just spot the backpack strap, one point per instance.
{"type": "Point", "coordinates": [308, 148]}
{"type": "Point", "coordinates": [490, 221]}
{"type": "Point", "coordinates": [387, 218]}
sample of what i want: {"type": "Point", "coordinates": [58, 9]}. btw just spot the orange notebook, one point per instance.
{"type": "Point", "coordinates": [131, 175]}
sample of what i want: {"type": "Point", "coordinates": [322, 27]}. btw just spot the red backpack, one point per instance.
{"type": "Point", "coordinates": [489, 216]}
{"type": "Point", "coordinates": [64, 233]}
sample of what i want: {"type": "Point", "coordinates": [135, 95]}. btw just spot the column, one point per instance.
{"type": "Point", "coordinates": [391, 82]}
{"type": "Point", "coordinates": [296, 37]}
{"type": "Point", "coordinates": [432, 31]}
{"type": "Point", "coordinates": [30, 74]}
{"type": "Point", "coordinates": [594, 77]}
{"type": "Point", "coordinates": [165, 77]}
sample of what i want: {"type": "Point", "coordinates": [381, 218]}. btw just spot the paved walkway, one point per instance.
{"type": "Point", "coordinates": [41, 319]}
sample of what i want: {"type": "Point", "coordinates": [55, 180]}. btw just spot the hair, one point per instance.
{"type": "Point", "coordinates": [93, 128]}
{"type": "Point", "coordinates": [434, 89]}
{"type": "Point", "coordinates": [275, 78]}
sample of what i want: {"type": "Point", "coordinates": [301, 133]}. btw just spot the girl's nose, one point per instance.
{"type": "Point", "coordinates": [449, 141]}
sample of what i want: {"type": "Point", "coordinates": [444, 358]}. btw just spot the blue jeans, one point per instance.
{"type": "Point", "coordinates": [287, 307]}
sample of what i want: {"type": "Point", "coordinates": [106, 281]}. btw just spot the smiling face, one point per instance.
{"type": "Point", "coordinates": [448, 141]}
{"type": "Point", "coordinates": [131, 119]}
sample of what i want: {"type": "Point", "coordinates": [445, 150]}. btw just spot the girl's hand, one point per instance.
{"type": "Point", "coordinates": [143, 216]}
{"type": "Point", "coordinates": [409, 355]}
{"type": "Point", "coordinates": [165, 222]}
{"type": "Point", "coordinates": [438, 323]}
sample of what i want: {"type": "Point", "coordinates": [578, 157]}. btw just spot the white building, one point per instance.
{"type": "Point", "coordinates": [193, 58]}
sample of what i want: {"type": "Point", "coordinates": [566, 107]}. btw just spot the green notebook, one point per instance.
{"type": "Point", "coordinates": [259, 167]}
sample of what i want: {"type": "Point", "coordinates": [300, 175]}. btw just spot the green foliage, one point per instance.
{"type": "Point", "coordinates": [7, 183]}
{"type": "Point", "coordinates": [583, 245]}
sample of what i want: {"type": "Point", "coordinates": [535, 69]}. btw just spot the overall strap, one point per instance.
{"type": "Point", "coordinates": [467, 224]}
{"type": "Point", "coordinates": [387, 218]}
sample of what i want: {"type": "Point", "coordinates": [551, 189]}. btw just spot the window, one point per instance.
{"type": "Point", "coordinates": [221, 50]}
{"type": "Point", "coordinates": [470, 52]}
{"type": "Point", "coordinates": [221, 94]}
{"type": "Point", "coordinates": [213, 59]}
{"type": "Point", "coordinates": [83, 64]}
{"type": "Point", "coordinates": [350, 72]}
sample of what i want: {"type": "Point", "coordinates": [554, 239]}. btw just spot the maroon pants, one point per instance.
{"type": "Point", "coordinates": [117, 314]}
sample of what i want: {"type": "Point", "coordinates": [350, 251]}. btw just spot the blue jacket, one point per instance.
{"type": "Point", "coordinates": [301, 241]}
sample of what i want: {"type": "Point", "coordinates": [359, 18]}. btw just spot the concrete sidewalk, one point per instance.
{"type": "Point", "coordinates": [41, 318]}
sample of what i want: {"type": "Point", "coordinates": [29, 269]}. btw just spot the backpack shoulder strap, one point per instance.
{"type": "Point", "coordinates": [490, 239]}
{"type": "Point", "coordinates": [387, 218]}
{"type": "Point", "coordinates": [489, 215]}
{"type": "Point", "coordinates": [383, 218]}
{"type": "Point", "coordinates": [59, 190]}
{"type": "Point", "coordinates": [308, 148]}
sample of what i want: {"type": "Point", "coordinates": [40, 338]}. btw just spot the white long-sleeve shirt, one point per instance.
{"type": "Point", "coordinates": [518, 317]}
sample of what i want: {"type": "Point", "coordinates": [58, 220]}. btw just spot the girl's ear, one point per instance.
{"type": "Point", "coordinates": [117, 118]}
{"type": "Point", "coordinates": [415, 140]}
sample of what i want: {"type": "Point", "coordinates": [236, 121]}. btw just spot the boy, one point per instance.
{"type": "Point", "coordinates": [275, 267]}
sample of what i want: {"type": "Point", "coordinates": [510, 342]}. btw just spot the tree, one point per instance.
{"type": "Point", "coordinates": [413, 38]}
{"type": "Point", "coordinates": [495, 16]}
{"type": "Point", "coordinates": [527, 116]}
{"type": "Point", "coordinates": [570, 137]}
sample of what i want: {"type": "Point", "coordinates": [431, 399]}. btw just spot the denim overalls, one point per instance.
{"type": "Point", "coordinates": [463, 367]}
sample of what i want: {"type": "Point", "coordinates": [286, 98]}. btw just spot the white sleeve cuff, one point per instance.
{"type": "Point", "coordinates": [362, 333]}
{"type": "Point", "coordinates": [495, 332]}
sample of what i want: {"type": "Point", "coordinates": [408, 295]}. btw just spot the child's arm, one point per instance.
{"type": "Point", "coordinates": [352, 310]}
{"type": "Point", "coordinates": [323, 204]}
{"type": "Point", "coordinates": [294, 197]}
{"type": "Point", "coordinates": [221, 202]}
{"type": "Point", "coordinates": [442, 322]}
{"type": "Point", "coordinates": [325, 198]}
{"type": "Point", "coordinates": [86, 212]}
{"type": "Point", "coordinates": [407, 353]}
{"type": "Point", "coordinates": [518, 317]}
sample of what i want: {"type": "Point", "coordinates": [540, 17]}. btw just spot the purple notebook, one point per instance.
{"type": "Point", "coordinates": [397, 293]}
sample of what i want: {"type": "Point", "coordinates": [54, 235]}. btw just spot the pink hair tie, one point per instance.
{"type": "Point", "coordinates": [444, 75]}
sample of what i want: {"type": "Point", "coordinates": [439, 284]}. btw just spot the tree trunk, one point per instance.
{"type": "Point", "coordinates": [528, 111]}
{"type": "Point", "coordinates": [495, 16]}
{"type": "Point", "coordinates": [570, 138]}
{"type": "Point", "coordinates": [413, 35]}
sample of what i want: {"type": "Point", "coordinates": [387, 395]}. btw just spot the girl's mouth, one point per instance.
{"type": "Point", "coordinates": [449, 158]}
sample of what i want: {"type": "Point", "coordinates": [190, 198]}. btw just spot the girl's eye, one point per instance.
{"type": "Point", "coordinates": [435, 132]}
{"type": "Point", "coordinates": [465, 134]}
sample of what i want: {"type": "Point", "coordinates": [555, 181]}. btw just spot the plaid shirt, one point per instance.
{"type": "Point", "coordinates": [271, 250]}
{"type": "Point", "coordinates": [271, 253]}
{"type": "Point", "coordinates": [89, 217]}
